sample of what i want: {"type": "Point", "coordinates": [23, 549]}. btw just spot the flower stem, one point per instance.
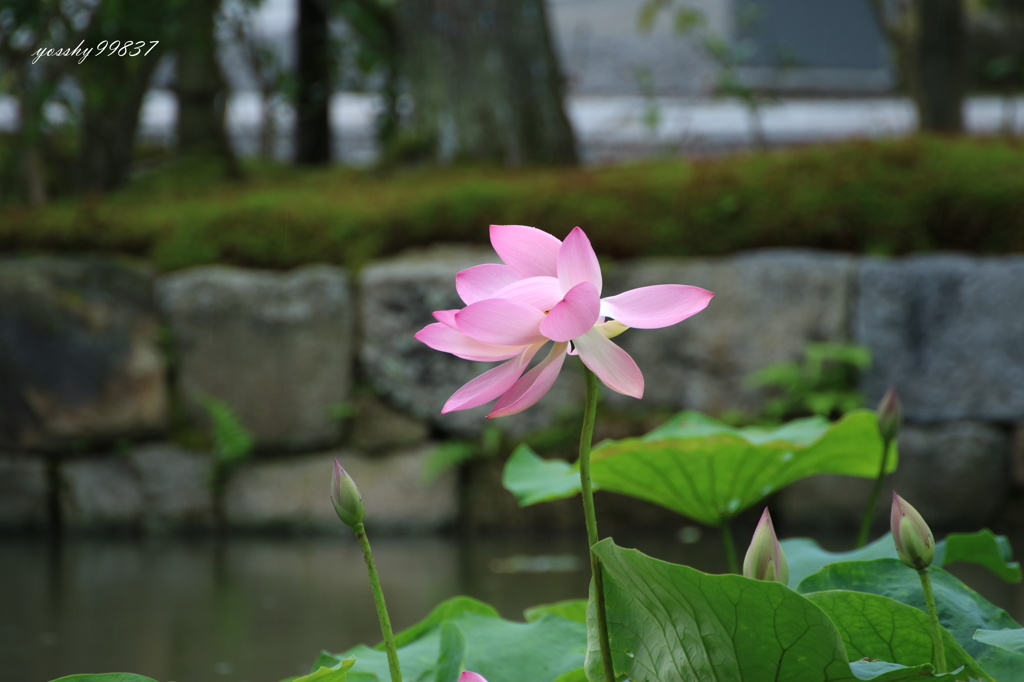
{"type": "Point", "coordinates": [869, 511]}
{"type": "Point", "coordinates": [378, 600]}
{"type": "Point", "coordinates": [586, 438]}
{"type": "Point", "coordinates": [933, 617]}
{"type": "Point", "coordinates": [730, 546]}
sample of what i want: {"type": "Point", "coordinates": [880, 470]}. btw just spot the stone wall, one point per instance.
{"type": "Point", "coordinates": [105, 368]}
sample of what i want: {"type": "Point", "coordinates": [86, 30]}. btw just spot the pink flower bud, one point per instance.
{"type": "Point", "coordinates": [345, 496]}
{"type": "Point", "coordinates": [890, 415]}
{"type": "Point", "coordinates": [765, 559]}
{"type": "Point", "coordinates": [914, 541]}
{"type": "Point", "coordinates": [471, 677]}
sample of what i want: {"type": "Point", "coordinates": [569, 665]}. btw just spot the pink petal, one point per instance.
{"type": "Point", "coordinates": [533, 385]}
{"type": "Point", "coordinates": [527, 250]}
{"type": "Point", "coordinates": [481, 281]}
{"type": "Point", "coordinates": [577, 262]}
{"type": "Point", "coordinates": [656, 306]}
{"type": "Point", "coordinates": [490, 384]}
{"type": "Point", "coordinates": [542, 293]}
{"type": "Point", "coordinates": [446, 317]}
{"type": "Point", "coordinates": [446, 339]}
{"type": "Point", "coordinates": [501, 321]}
{"type": "Point", "coordinates": [574, 315]}
{"type": "Point", "coordinates": [611, 364]}
{"type": "Point", "coordinates": [471, 677]}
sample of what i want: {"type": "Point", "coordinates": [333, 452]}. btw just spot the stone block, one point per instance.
{"type": "Point", "coordinates": [276, 348]}
{"type": "Point", "coordinates": [767, 307]}
{"type": "Point", "coordinates": [156, 487]}
{"type": "Point", "coordinates": [379, 427]}
{"type": "Point", "coordinates": [100, 494]}
{"type": "Point", "coordinates": [24, 492]}
{"type": "Point", "coordinates": [295, 493]}
{"type": "Point", "coordinates": [175, 486]}
{"type": "Point", "coordinates": [948, 332]}
{"type": "Point", "coordinates": [397, 298]}
{"type": "Point", "coordinates": [79, 354]}
{"type": "Point", "coordinates": [955, 474]}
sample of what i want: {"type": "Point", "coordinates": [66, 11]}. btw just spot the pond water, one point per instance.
{"type": "Point", "coordinates": [259, 609]}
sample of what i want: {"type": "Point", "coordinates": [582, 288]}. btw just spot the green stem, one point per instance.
{"type": "Point", "coordinates": [730, 546]}
{"type": "Point", "coordinates": [378, 600]}
{"type": "Point", "coordinates": [869, 511]}
{"type": "Point", "coordinates": [586, 438]}
{"type": "Point", "coordinates": [933, 617]}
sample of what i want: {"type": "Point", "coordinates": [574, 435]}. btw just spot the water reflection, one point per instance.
{"type": "Point", "coordinates": [259, 610]}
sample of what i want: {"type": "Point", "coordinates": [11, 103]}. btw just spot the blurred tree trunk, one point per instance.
{"type": "Point", "coordinates": [200, 87]}
{"type": "Point", "coordinates": [928, 40]}
{"type": "Point", "coordinates": [485, 81]}
{"type": "Point", "coordinates": [313, 75]}
{"type": "Point", "coordinates": [939, 76]}
{"type": "Point", "coordinates": [110, 119]}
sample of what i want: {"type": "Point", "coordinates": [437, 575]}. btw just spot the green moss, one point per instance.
{"type": "Point", "coordinates": [879, 197]}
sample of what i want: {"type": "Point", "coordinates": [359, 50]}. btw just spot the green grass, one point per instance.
{"type": "Point", "coordinates": [885, 197]}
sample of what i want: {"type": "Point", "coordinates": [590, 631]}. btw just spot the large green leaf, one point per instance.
{"type": "Point", "coordinates": [805, 556]}
{"type": "Point", "coordinates": [962, 611]}
{"type": "Point", "coordinates": [466, 632]}
{"type": "Point", "coordinates": [983, 547]}
{"type": "Point", "coordinates": [533, 479]}
{"type": "Point", "coordinates": [671, 622]}
{"type": "Point", "coordinates": [706, 470]}
{"type": "Point", "coordinates": [572, 609]}
{"type": "Point", "coordinates": [876, 627]}
{"type": "Point", "coordinates": [452, 657]}
{"type": "Point", "coordinates": [336, 673]}
{"type": "Point", "coordinates": [1011, 640]}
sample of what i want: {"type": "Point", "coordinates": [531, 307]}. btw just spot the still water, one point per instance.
{"type": "Point", "coordinates": [259, 610]}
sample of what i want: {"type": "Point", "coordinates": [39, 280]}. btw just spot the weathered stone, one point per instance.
{"type": "Point", "coordinates": [24, 492]}
{"type": "Point", "coordinates": [79, 355]}
{"type": "Point", "coordinates": [377, 426]}
{"type": "Point", "coordinates": [947, 332]}
{"type": "Point", "coordinates": [100, 494]}
{"type": "Point", "coordinates": [1017, 455]}
{"type": "Point", "coordinates": [955, 474]}
{"type": "Point", "coordinates": [276, 348]}
{"type": "Point", "coordinates": [295, 493]}
{"type": "Point", "coordinates": [397, 299]}
{"type": "Point", "coordinates": [175, 485]}
{"type": "Point", "coordinates": [768, 306]}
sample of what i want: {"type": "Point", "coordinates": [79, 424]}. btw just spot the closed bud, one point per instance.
{"type": "Point", "coordinates": [764, 559]}
{"type": "Point", "coordinates": [345, 496]}
{"type": "Point", "coordinates": [914, 541]}
{"type": "Point", "coordinates": [471, 677]}
{"type": "Point", "coordinates": [890, 415]}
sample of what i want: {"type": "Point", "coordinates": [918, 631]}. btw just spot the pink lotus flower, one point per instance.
{"type": "Point", "coordinates": [471, 677]}
{"type": "Point", "coordinates": [547, 290]}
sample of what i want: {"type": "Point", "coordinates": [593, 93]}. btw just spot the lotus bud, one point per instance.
{"type": "Point", "coordinates": [914, 540]}
{"type": "Point", "coordinates": [765, 559]}
{"type": "Point", "coordinates": [345, 496]}
{"type": "Point", "coordinates": [471, 677]}
{"type": "Point", "coordinates": [890, 415]}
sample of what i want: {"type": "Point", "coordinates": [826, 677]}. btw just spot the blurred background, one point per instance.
{"type": "Point", "coordinates": [174, 380]}
{"type": "Point", "coordinates": [523, 82]}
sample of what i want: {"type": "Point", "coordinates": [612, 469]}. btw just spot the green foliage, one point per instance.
{"type": "Point", "coordinates": [232, 442]}
{"type": "Point", "coordinates": [891, 197]}
{"type": "Point", "coordinates": [983, 548]}
{"type": "Point", "coordinates": [464, 634]}
{"type": "Point", "coordinates": [824, 383]}
{"type": "Point", "coordinates": [670, 622]}
{"type": "Point", "coordinates": [962, 611]}
{"type": "Point", "coordinates": [704, 469]}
